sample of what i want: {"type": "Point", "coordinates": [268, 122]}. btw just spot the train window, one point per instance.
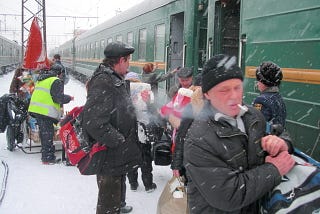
{"type": "Point", "coordinates": [142, 43]}
{"type": "Point", "coordinates": [159, 42]}
{"type": "Point", "coordinates": [102, 46]}
{"type": "Point", "coordinates": [109, 41]}
{"type": "Point", "coordinates": [97, 50]}
{"type": "Point", "coordinates": [130, 38]}
{"type": "Point", "coordinates": [88, 51]}
{"type": "Point", "coordinates": [119, 38]}
{"type": "Point", "coordinates": [92, 51]}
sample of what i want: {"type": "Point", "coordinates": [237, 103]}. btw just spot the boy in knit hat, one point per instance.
{"type": "Point", "coordinates": [224, 152]}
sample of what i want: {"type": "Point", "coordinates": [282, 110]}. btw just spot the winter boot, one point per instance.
{"type": "Point", "coordinates": [51, 162]}
{"type": "Point", "coordinates": [151, 188]}
{"type": "Point", "coordinates": [125, 209]}
{"type": "Point", "coordinates": [134, 186]}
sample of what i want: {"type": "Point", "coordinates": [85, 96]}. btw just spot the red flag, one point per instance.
{"type": "Point", "coordinates": [35, 56]}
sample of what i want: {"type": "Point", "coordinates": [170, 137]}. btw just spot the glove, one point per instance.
{"type": "Point", "coordinates": [273, 145]}
{"type": "Point", "coordinates": [283, 162]}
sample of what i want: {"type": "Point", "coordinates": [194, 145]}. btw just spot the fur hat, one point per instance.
{"type": "Point", "coordinates": [118, 49]}
{"type": "Point", "coordinates": [218, 69]}
{"type": "Point", "coordinates": [269, 74]}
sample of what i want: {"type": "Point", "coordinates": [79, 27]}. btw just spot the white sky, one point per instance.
{"type": "Point", "coordinates": [33, 188]}
{"type": "Point", "coordinates": [61, 29]}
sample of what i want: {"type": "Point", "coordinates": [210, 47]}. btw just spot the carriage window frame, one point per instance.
{"type": "Point", "coordinates": [159, 42]}
{"type": "Point", "coordinates": [97, 50]}
{"type": "Point", "coordinates": [102, 46]}
{"type": "Point", "coordinates": [109, 40]}
{"type": "Point", "coordinates": [130, 38]}
{"type": "Point", "coordinates": [142, 53]}
{"type": "Point", "coordinates": [119, 38]}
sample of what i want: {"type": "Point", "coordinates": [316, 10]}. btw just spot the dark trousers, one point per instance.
{"type": "Point", "coordinates": [112, 194]}
{"type": "Point", "coordinates": [146, 167]}
{"type": "Point", "coordinates": [46, 132]}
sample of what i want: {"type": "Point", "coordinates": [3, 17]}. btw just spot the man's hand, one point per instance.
{"type": "Point", "coordinates": [283, 162]}
{"type": "Point", "coordinates": [176, 173]}
{"type": "Point", "coordinates": [273, 145]}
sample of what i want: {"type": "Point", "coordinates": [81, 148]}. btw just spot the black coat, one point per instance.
{"type": "Point", "coordinates": [225, 167]}
{"type": "Point", "coordinates": [272, 106]}
{"type": "Point", "coordinates": [153, 79]}
{"type": "Point", "coordinates": [110, 119]}
{"type": "Point", "coordinates": [186, 121]}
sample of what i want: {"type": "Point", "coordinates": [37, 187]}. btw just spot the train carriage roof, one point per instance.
{"type": "Point", "coordinates": [137, 10]}
{"type": "Point", "coordinates": [9, 41]}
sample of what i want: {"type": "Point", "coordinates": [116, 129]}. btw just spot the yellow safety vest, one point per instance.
{"type": "Point", "coordinates": [41, 101]}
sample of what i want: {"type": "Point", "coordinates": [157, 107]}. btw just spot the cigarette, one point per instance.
{"type": "Point", "coordinates": [242, 107]}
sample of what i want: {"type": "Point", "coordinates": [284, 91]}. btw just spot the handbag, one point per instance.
{"type": "Point", "coordinates": [173, 199]}
{"type": "Point", "coordinates": [92, 162]}
{"type": "Point", "coordinates": [161, 150]}
{"type": "Point", "coordinates": [298, 192]}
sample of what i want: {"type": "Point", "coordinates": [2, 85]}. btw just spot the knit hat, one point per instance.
{"type": "Point", "coordinates": [269, 74]}
{"type": "Point", "coordinates": [219, 68]}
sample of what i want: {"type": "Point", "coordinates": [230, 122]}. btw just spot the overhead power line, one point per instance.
{"type": "Point", "coordinates": [57, 16]}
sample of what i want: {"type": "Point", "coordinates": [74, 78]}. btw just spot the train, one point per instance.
{"type": "Point", "coordinates": [10, 54]}
{"type": "Point", "coordinates": [172, 33]}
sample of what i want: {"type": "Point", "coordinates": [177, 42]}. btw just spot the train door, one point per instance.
{"type": "Point", "coordinates": [223, 27]}
{"type": "Point", "coordinates": [175, 51]}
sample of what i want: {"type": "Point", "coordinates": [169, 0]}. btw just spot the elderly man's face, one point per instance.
{"type": "Point", "coordinates": [226, 96]}
{"type": "Point", "coordinates": [185, 82]}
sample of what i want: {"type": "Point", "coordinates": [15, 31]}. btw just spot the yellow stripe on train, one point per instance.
{"type": "Point", "coordinates": [310, 76]}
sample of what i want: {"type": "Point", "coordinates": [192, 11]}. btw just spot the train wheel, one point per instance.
{"type": "Point", "coordinates": [10, 138]}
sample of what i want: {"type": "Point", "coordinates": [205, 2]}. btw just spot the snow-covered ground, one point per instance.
{"type": "Point", "coordinates": [33, 188]}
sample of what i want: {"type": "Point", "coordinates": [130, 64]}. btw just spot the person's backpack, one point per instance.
{"type": "Point", "coordinates": [299, 190]}
{"type": "Point", "coordinates": [80, 149]}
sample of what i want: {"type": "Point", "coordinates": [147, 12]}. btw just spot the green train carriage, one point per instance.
{"type": "Point", "coordinates": [174, 33]}
{"type": "Point", "coordinates": [9, 54]}
{"type": "Point", "coordinates": [287, 32]}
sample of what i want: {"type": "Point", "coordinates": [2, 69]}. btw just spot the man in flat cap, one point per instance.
{"type": "Point", "coordinates": [231, 163]}
{"type": "Point", "coordinates": [109, 118]}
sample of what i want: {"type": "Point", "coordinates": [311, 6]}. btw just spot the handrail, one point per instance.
{"type": "Point", "coordinates": [166, 59]}
{"type": "Point", "coordinates": [184, 54]}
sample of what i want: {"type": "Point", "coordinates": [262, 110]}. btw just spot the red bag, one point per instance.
{"type": "Point", "coordinates": [92, 162]}
{"type": "Point", "coordinates": [77, 147]}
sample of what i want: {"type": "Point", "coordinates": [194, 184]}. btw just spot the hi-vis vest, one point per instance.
{"type": "Point", "coordinates": [41, 101]}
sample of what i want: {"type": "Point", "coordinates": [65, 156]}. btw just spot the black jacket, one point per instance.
{"type": "Point", "coordinates": [272, 106]}
{"type": "Point", "coordinates": [110, 119]}
{"type": "Point", "coordinates": [153, 79]}
{"type": "Point", "coordinates": [225, 167]}
{"type": "Point", "coordinates": [186, 121]}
